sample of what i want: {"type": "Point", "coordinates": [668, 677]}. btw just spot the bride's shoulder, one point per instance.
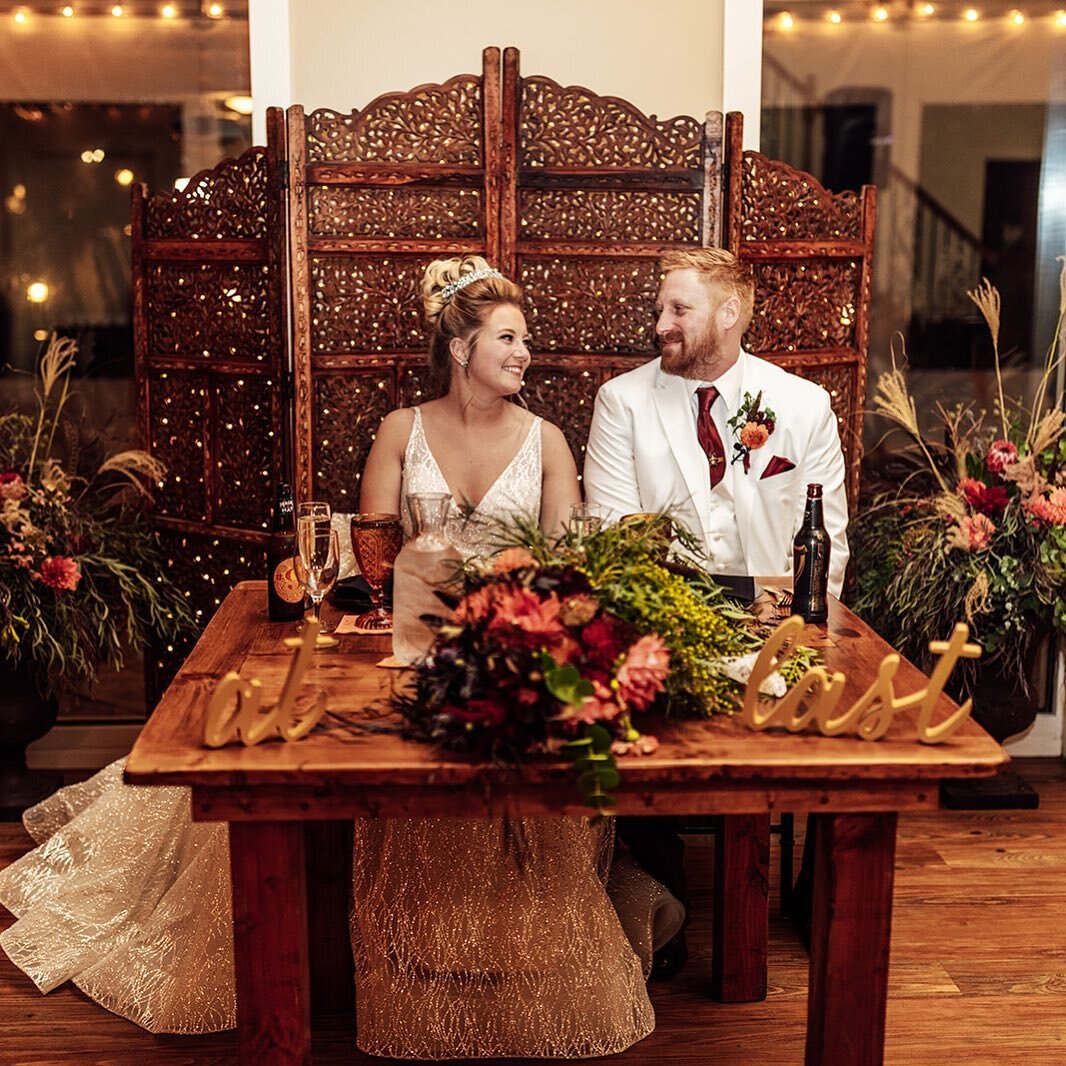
{"type": "Point", "coordinates": [396, 427]}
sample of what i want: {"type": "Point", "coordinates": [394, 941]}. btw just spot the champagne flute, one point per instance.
{"type": "Point", "coordinates": [319, 552]}
{"type": "Point", "coordinates": [585, 519]}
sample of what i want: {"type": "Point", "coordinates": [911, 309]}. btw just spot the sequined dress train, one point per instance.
{"type": "Point", "coordinates": [472, 938]}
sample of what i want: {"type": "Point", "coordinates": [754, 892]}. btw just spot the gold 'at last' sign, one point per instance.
{"type": "Point", "coordinates": [247, 719]}
{"type": "Point", "coordinates": [814, 698]}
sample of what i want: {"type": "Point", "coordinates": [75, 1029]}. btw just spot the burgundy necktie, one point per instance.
{"type": "Point", "coordinates": [707, 432]}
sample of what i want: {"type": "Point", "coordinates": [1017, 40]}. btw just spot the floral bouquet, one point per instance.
{"type": "Point", "coordinates": [567, 647]}
{"type": "Point", "coordinates": [81, 576]}
{"type": "Point", "coordinates": [978, 531]}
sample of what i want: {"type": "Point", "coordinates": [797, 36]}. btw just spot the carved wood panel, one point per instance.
{"type": "Point", "coordinates": [209, 337]}
{"type": "Point", "coordinates": [811, 251]}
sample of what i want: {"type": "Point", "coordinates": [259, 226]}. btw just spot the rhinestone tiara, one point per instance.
{"type": "Point", "coordinates": [453, 287]}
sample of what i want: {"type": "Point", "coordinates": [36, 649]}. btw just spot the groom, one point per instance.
{"type": "Point", "coordinates": [727, 443]}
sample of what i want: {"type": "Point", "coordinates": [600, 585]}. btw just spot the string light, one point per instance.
{"type": "Point", "coordinates": [834, 17]}
{"type": "Point", "coordinates": [971, 14]}
{"type": "Point", "coordinates": [925, 11]}
{"type": "Point", "coordinates": [124, 176]}
{"type": "Point", "coordinates": [243, 105]}
{"type": "Point", "coordinates": [785, 20]}
{"type": "Point", "coordinates": [214, 11]}
{"type": "Point", "coordinates": [117, 11]}
{"type": "Point", "coordinates": [37, 292]}
{"type": "Point", "coordinates": [67, 12]}
{"type": "Point", "coordinates": [20, 16]}
{"type": "Point", "coordinates": [1016, 18]}
{"type": "Point", "coordinates": [168, 11]}
{"type": "Point", "coordinates": [1060, 19]}
{"type": "Point", "coordinates": [879, 13]}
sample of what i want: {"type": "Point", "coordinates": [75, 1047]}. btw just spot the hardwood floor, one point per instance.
{"type": "Point", "coordinates": [978, 966]}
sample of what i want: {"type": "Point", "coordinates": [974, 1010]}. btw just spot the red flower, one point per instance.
{"type": "Point", "coordinates": [1001, 454]}
{"type": "Point", "coordinates": [604, 641]}
{"type": "Point", "coordinates": [480, 712]}
{"type": "Point", "coordinates": [641, 676]}
{"type": "Point", "coordinates": [988, 500]}
{"type": "Point", "coordinates": [12, 487]}
{"type": "Point", "coordinates": [60, 572]}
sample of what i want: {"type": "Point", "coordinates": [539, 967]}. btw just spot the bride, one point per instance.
{"type": "Point", "coordinates": [471, 938]}
{"type": "Point", "coordinates": [491, 938]}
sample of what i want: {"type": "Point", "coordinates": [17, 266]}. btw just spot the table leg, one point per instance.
{"type": "Point", "coordinates": [270, 943]}
{"type": "Point", "coordinates": [741, 908]}
{"type": "Point", "coordinates": [328, 848]}
{"type": "Point", "coordinates": [851, 921]}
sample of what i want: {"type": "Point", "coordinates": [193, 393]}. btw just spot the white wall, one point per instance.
{"type": "Point", "coordinates": [677, 57]}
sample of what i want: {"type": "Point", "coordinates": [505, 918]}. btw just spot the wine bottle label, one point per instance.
{"type": "Point", "coordinates": [286, 584]}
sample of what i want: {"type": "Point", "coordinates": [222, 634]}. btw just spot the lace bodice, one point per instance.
{"type": "Point", "coordinates": [515, 492]}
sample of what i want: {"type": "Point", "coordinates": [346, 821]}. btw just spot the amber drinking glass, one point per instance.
{"type": "Point", "coordinates": [376, 541]}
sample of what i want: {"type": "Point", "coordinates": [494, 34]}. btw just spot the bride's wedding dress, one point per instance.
{"type": "Point", "coordinates": [497, 937]}
{"type": "Point", "coordinates": [471, 937]}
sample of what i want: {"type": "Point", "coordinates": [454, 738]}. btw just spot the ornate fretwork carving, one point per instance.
{"type": "Point", "coordinates": [217, 310]}
{"type": "Point", "coordinates": [348, 408]}
{"type": "Point", "coordinates": [590, 304]}
{"type": "Point", "coordinates": [432, 124]}
{"type": "Point", "coordinates": [564, 397]}
{"type": "Point", "coordinates": [782, 204]}
{"type": "Point", "coordinates": [416, 385]}
{"type": "Point", "coordinates": [802, 306]}
{"type": "Point", "coordinates": [572, 127]}
{"type": "Point", "coordinates": [339, 211]}
{"type": "Point", "coordinates": [205, 568]}
{"type": "Point", "coordinates": [244, 451]}
{"type": "Point", "coordinates": [597, 215]}
{"type": "Point", "coordinates": [367, 305]}
{"type": "Point", "coordinates": [841, 382]}
{"type": "Point", "coordinates": [227, 203]}
{"type": "Point", "coordinates": [177, 401]}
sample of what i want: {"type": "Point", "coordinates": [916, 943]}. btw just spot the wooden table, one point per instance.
{"type": "Point", "coordinates": [274, 795]}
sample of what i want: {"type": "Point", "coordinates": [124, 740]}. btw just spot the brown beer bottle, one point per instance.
{"type": "Point", "coordinates": [810, 562]}
{"type": "Point", "coordinates": [285, 594]}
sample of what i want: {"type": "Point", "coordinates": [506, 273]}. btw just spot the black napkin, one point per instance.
{"type": "Point", "coordinates": [353, 594]}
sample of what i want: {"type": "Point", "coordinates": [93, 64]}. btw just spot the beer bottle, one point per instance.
{"type": "Point", "coordinates": [285, 594]}
{"type": "Point", "coordinates": [810, 562]}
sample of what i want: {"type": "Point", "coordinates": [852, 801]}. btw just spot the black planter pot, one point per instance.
{"type": "Point", "coordinates": [1000, 706]}
{"type": "Point", "coordinates": [25, 716]}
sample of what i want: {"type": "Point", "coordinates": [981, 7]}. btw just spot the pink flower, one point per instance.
{"type": "Point", "coordinates": [601, 706]}
{"type": "Point", "coordinates": [60, 572]}
{"type": "Point", "coordinates": [521, 615]}
{"type": "Point", "coordinates": [641, 676]}
{"type": "Point", "coordinates": [1050, 508]}
{"type": "Point", "coordinates": [512, 559]}
{"type": "Point", "coordinates": [1001, 454]}
{"type": "Point", "coordinates": [754, 435]}
{"type": "Point", "coordinates": [644, 744]}
{"type": "Point", "coordinates": [972, 533]}
{"type": "Point", "coordinates": [12, 487]}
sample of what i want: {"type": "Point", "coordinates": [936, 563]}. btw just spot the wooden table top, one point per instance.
{"type": "Point", "coordinates": [713, 764]}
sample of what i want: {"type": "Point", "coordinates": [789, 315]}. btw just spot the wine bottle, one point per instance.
{"type": "Point", "coordinates": [810, 562]}
{"type": "Point", "coordinates": [285, 594]}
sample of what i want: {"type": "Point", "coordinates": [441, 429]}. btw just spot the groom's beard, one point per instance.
{"type": "Point", "coordinates": [691, 356]}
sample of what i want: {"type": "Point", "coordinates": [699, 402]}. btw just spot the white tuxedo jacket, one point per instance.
{"type": "Point", "coordinates": [643, 456]}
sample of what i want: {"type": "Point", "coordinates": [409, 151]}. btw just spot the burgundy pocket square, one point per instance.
{"type": "Point", "coordinates": [777, 465]}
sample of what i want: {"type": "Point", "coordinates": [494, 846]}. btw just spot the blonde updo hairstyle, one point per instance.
{"type": "Point", "coordinates": [463, 314]}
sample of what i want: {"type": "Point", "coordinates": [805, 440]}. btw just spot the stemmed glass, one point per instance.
{"type": "Point", "coordinates": [319, 554]}
{"type": "Point", "coordinates": [376, 541]}
{"type": "Point", "coordinates": [585, 519]}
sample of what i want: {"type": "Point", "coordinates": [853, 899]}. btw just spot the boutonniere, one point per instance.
{"type": "Point", "coordinates": [751, 426]}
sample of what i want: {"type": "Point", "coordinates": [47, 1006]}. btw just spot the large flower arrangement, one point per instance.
{"type": "Point", "coordinates": [567, 646]}
{"type": "Point", "coordinates": [978, 532]}
{"type": "Point", "coordinates": [81, 576]}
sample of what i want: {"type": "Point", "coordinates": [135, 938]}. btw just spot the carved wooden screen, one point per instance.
{"type": "Point", "coordinates": [594, 192]}
{"type": "Point", "coordinates": [209, 325]}
{"type": "Point", "coordinates": [812, 253]}
{"type": "Point", "coordinates": [375, 196]}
